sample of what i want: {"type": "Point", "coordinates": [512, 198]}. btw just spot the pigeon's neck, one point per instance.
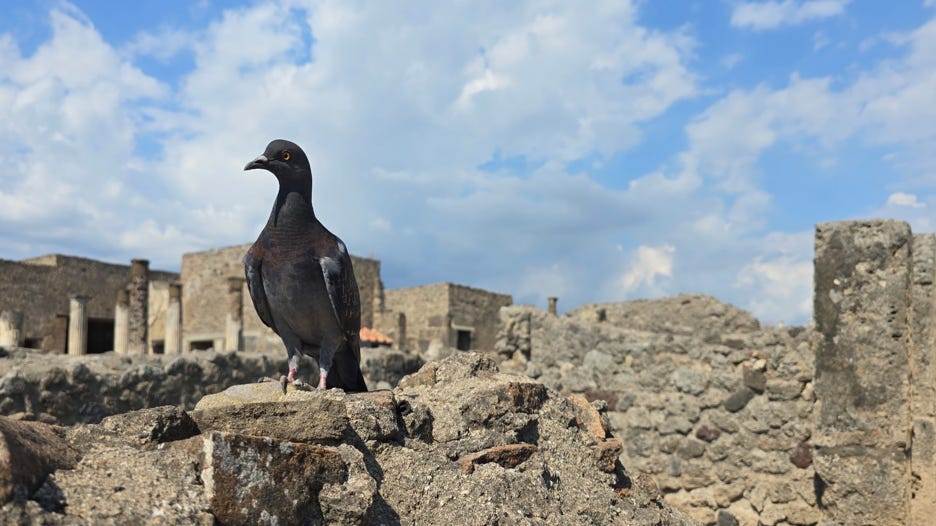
{"type": "Point", "coordinates": [292, 204]}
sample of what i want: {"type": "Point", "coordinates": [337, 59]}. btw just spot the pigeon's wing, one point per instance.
{"type": "Point", "coordinates": [253, 260]}
{"type": "Point", "coordinates": [342, 289]}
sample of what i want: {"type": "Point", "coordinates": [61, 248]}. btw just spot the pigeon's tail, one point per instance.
{"type": "Point", "coordinates": [346, 369]}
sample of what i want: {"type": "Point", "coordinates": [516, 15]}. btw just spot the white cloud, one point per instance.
{"type": "Point", "coordinates": [773, 14]}
{"type": "Point", "coordinates": [778, 281]}
{"type": "Point", "coordinates": [902, 199]}
{"type": "Point", "coordinates": [647, 265]}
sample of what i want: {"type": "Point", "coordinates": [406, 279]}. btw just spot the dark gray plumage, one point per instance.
{"type": "Point", "coordinates": [300, 277]}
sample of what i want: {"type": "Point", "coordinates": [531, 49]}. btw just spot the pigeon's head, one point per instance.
{"type": "Point", "coordinates": [287, 162]}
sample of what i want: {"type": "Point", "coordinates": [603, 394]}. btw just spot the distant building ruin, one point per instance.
{"type": "Point", "coordinates": [40, 290]}
{"type": "Point", "coordinates": [207, 306]}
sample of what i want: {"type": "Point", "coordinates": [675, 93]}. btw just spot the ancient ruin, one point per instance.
{"type": "Point", "coordinates": [135, 311]}
{"type": "Point", "coordinates": [736, 423]}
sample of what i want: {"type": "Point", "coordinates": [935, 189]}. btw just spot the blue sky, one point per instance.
{"type": "Point", "coordinates": [628, 150]}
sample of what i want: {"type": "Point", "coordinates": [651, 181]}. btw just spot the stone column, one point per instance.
{"type": "Point", "coordinates": [862, 372]}
{"type": "Point", "coordinates": [601, 315]}
{"type": "Point", "coordinates": [78, 325]}
{"type": "Point", "coordinates": [138, 316]}
{"type": "Point", "coordinates": [173, 343]}
{"type": "Point", "coordinates": [552, 304]}
{"type": "Point", "coordinates": [233, 332]}
{"type": "Point", "coordinates": [121, 320]}
{"type": "Point", "coordinates": [400, 342]}
{"type": "Point", "coordinates": [923, 380]}
{"type": "Point", "coordinates": [11, 328]}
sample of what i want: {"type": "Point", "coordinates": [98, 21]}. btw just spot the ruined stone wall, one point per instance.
{"type": "Point", "coordinates": [873, 377]}
{"type": "Point", "coordinates": [426, 308]}
{"type": "Point", "coordinates": [367, 275]}
{"type": "Point", "coordinates": [834, 424]}
{"type": "Point", "coordinates": [717, 409]}
{"type": "Point", "coordinates": [477, 310]}
{"type": "Point", "coordinates": [40, 287]}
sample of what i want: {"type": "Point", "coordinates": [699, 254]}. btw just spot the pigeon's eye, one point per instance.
{"type": "Point", "coordinates": [286, 156]}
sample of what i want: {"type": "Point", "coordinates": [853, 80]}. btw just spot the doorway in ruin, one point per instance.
{"type": "Point", "coordinates": [100, 335]}
{"type": "Point", "coordinates": [463, 340]}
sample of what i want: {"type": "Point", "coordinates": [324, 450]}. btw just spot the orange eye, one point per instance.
{"type": "Point", "coordinates": [286, 156]}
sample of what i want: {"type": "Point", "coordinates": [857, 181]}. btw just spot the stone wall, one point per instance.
{"type": "Point", "coordinates": [436, 312]}
{"type": "Point", "coordinates": [426, 309]}
{"type": "Point", "coordinates": [40, 288]}
{"type": "Point", "coordinates": [62, 389]}
{"type": "Point", "coordinates": [716, 408]}
{"type": "Point", "coordinates": [830, 424]}
{"type": "Point", "coordinates": [478, 311]}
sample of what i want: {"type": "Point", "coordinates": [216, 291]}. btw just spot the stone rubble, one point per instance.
{"type": "Point", "coordinates": [456, 443]}
{"type": "Point", "coordinates": [716, 408]}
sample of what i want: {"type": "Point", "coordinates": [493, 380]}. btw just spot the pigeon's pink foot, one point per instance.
{"type": "Point", "coordinates": [321, 385]}
{"type": "Point", "coordinates": [288, 379]}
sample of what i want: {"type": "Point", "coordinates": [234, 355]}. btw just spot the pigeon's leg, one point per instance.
{"type": "Point", "coordinates": [293, 350]}
{"type": "Point", "coordinates": [326, 352]}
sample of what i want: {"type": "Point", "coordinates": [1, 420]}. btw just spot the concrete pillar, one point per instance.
{"type": "Point", "coordinates": [552, 304]}
{"type": "Point", "coordinates": [78, 325]}
{"type": "Point", "coordinates": [138, 315]}
{"type": "Point", "coordinates": [862, 372]}
{"type": "Point", "coordinates": [121, 320]}
{"type": "Point", "coordinates": [234, 327]}
{"type": "Point", "coordinates": [173, 343]}
{"type": "Point", "coordinates": [923, 380]}
{"type": "Point", "coordinates": [11, 328]}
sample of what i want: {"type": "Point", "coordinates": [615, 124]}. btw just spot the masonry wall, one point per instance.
{"type": "Point", "coordinates": [831, 424]}
{"type": "Point", "coordinates": [426, 308]}
{"type": "Point", "coordinates": [716, 408]}
{"type": "Point", "coordinates": [40, 287]}
{"type": "Point", "coordinates": [477, 310]}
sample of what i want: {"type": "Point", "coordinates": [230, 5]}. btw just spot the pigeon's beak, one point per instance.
{"type": "Point", "coordinates": [259, 162]}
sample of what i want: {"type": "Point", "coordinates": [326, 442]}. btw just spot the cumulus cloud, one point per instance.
{"type": "Point", "coordinates": [648, 266]}
{"type": "Point", "coordinates": [902, 199]}
{"type": "Point", "coordinates": [416, 126]}
{"type": "Point", "coordinates": [773, 14]}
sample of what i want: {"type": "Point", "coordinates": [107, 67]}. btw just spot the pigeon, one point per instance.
{"type": "Point", "coordinates": [301, 280]}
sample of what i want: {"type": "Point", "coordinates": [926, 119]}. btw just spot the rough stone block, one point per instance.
{"type": "Point", "coordinates": [508, 456]}
{"type": "Point", "coordinates": [862, 308]}
{"type": "Point", "coordinates": [256, 409]}
{"type": "Point", "coordinates": [258, 480]}
{"type": "Point", "coordinates": [373, 415]}
{"type": "Point", "coordinates": [861, 305]}
{"type": "Point", "coordinates": [864, 486]}
{"type": "Point", "coordinates": [739, 399]}
{"type": "Point", "coordinates": [28, 452]}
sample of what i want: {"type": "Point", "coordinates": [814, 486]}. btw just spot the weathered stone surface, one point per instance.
{"type": "Point", "coordinates": [508, 456]}
{"type": "Point", "coordinates": [755, 379]}
{"type": "Point", "coordinates": [707, 434]}
{"type": "Point", "coordinates": [587, 417]}
{"type": "Point", "coordinates": [29, 451]}
{"type": "Point", "coordinates": [739, 399]}
{"type": "Point", "coordinates": [517, 457]}
{"type": "Point", "coordinates": [862, 308]}
{"type": "Point", "coordinates": [671, 387]}
{"type": "Point", "coordinates": [373, 416]}
{"type": "Point", "coordinates": [801, 457]}
{"type": "Point", "coordinates": [869, 486]}
{"type": "Point", "coordinates": [253, 480]}
{"type": "Point", "coordinates": [262, 409]}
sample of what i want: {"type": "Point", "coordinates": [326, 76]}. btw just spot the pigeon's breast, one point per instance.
{"type": "Point", "coordinates": [297, 295]}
